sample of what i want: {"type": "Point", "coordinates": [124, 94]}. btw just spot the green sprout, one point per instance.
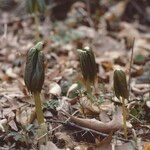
{"type": "Point", "coordinates": [34, 79]}
{"type": "Point", "coordinates": [36, 7]}
{"type": "Point", "coordinates": [121, 92]}
{"type": "Point", "coordinates": [88, 66]}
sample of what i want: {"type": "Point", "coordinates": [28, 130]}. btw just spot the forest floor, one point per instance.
{"type": "Point", "coordinates": [112, 40]}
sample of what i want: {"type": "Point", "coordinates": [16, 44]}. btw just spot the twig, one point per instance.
{"type": "Point", "coordinates": [41, 137]}
{"type": "Point", "coordinates": [89, 14]}
{"type": "Point", "coordinates": [131, 60]}
{"type": "Point", "coordinates": [97, 132]}
{"type": "Point", "coordinates": [5, 30]}
{"type": "Point", "coordinates": [62, 124]}
{"type": "Point", "coordinates": [140, 11]}
{"type": "Point", "coordinates": [87, 129]}
{"type": "Point", "coordinates": [135, 118]}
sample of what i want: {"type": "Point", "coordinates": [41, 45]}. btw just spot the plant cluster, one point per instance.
{"type": "Point", "coordinates": [34, 79]}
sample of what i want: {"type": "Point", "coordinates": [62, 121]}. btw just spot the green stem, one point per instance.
{"type": "Point", "coordinates": [88, 86]}
{"type": "Point", "coordinates": [36, 19]}
{"type": "Point", "coordinates": [124, 117]}
{"type": "Point", "coordinates": [38, 107]}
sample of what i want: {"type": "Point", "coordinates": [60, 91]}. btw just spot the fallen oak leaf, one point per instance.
{"type": "Point", "coordinates": [49, 146]}
{"type": "Point", "coordinates": [137, 71]}
{"type": "Point", "coordinates": [139, 91]}
{"type": "Point", "coordinates": [107, 65]}
{"type": "Point", "coordinates": [25, 115]}
{"type": "Point", "coordinates": [115, 124]}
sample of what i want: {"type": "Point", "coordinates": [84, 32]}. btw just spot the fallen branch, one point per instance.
{"type": "Point", "coordinates": [115, 124]}
{"type": "Point", "coordinates": [68, 123]}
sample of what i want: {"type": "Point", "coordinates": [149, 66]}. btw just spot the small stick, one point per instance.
{"type": "Point", "coordinates": [131, 60]}
{"type": "Point", "coordinates": [93, 131]}
{"type": "Point", "coordinates": [65, 113]}
{"type": "Point", "coordinates": [89, 14]}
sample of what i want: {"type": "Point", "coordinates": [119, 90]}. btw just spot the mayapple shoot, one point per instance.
{"type": "Point", "coordinates": [88, 66]}
{"type": "Point", "coordinates": [121, 91]}
{"type": "Point", "coordinates": [34, 70]}
{"type": "Point", "coordinates": [120, 84]}
{"type": "Point", "coordinates": [34, 79]}
{"type": "Point", "coordinates": [36, 7]}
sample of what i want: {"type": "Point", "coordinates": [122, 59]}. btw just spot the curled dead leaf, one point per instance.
{"type": "Point", "coordinates": [146, 146]}
{"type": "Point", "coordinates": [10, 73]}
{"type": "Point", "coordinates": [88, 107]}
{"type": "Point", "coordinates": [25, 115]}
{"type": "Point", "coordinates": [64, 104]}
{"type": "Point", "coordinates": [55, 89]}
{"type": "Point", "coordinates": [138, 71]}
{"type": "Point", "coordinates": [107, 65]}
{"type": "Point", "coordinates": [72, 88]}
{"type": "Point", "coordinates": [13, 125]}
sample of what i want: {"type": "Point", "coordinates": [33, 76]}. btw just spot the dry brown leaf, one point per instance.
{"type": "Point", "coordinates": [69, 143]}
{"type": "Point", "coordinates": [82, 147]}
{"type": "Point", "coordinates": [105, 141]}
{"type": "Point", "coordinates": [64, 104]}
{"type": "Point", "coordinates": [49, 146]}
{"type": "Point", "coordinates": [107, 65]}
{"type": "Point", "coordinates": [117, 145]}
{"type": "Point", "coordinates": [92, 108]}
{"type": "Point", "coordinates": [87, 31]}
{"type": "Point", "coordinates": [116, 11]}
{"type": "Point", "coordinates": [146, 146]}
{"type": "Point", "coordinates": [88, 107]}
{"type": "Point", "coordinates": [121, 60]}
{"type": "Point", "coordinates": [25, 115]}
{"type": "Point", "coordinates": [13, 125]}
{"type": "Point", "coordinates": [138, 71]}
{"type": "Point", "coordinates": [104, 116]}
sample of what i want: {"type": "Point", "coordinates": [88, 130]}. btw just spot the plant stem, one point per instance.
{"type": "Point", "coordinates": [38, 107]}
{"type": "Point", "coordinates": [42, 131]}
{"type": "Point", "coordinates": [124, 117]}
{"type": "Point", "coordinates": [36, 19]}
{"type": "Point", "coordinates": [88, 86]}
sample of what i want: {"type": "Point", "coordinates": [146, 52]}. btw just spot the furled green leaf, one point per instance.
{"type": "Point", "coordinates": [34, 70]}
{"type": "Point", "coordinates": [35, 6]}
{"type": "Point", "coordinates": [87, 64]}
{"type": "Point", "coordinates": [41, 6]}
{"type": "Point", "coordinates": [120, 84]}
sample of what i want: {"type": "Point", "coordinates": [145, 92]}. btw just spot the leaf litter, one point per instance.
{"type": "Point", "coordinates": [78, 119]}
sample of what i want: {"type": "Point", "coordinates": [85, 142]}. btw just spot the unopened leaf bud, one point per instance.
{"type": "Point", "coordinates": [120, 84]}
{"type": "Point", "coordinates": [87, 64]}
{"type": "Point", "coordinates": [34, 70]}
